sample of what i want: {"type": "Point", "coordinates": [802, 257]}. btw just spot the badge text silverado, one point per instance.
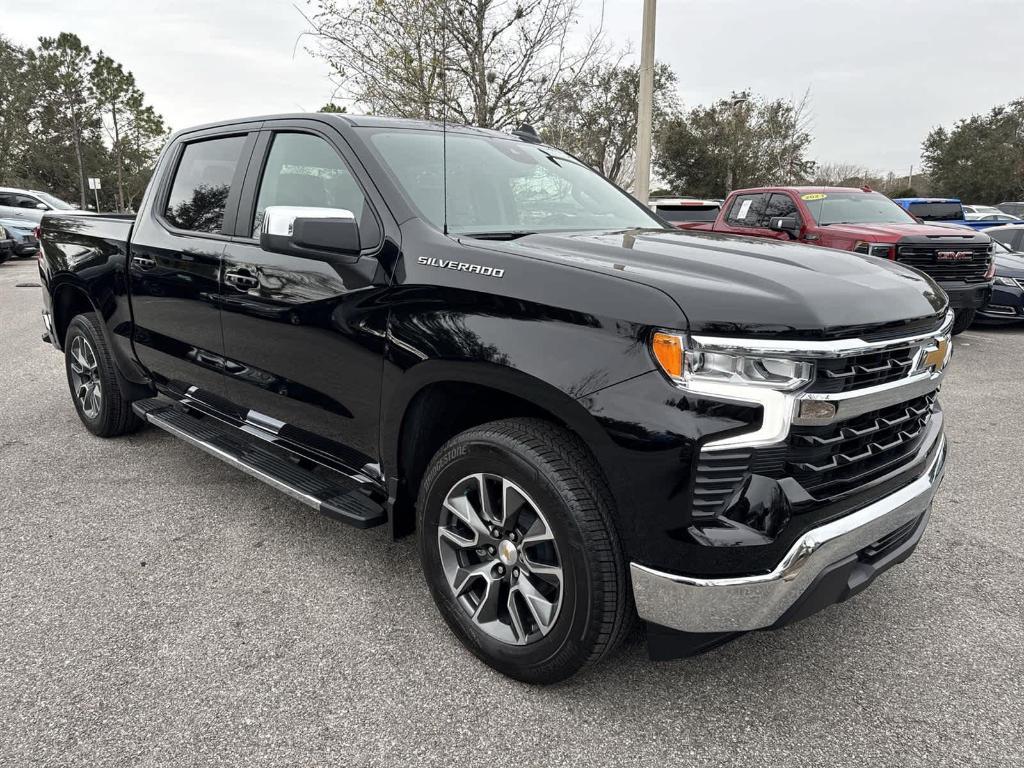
{"type": "Point", "coordinates": [584, 416]}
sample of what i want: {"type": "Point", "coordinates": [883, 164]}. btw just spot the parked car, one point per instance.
{"type": "Point", "coordinates": [942, 210]}
{"type": "Point", "coordinates": [583, 414]}
{"type": "Point", "coordinates": [1012, 237]}
{"type": "Point", "coordinates": [866, 222]}
{"type": "Point", "coordinates": [680, 210]}
{"type": "Point", "coordinates": [992, 218]}
{"type": "Point", "coordinates": [6, 245]}
{"type": "Point", "coordinates": [1014, 209]}
{"type": "Point", "coordinates": [24, 235]}
{"type": "Point", "coordinates": [1007, 303]}
{"type": "Point", "coordinates": [29, 204]}
{"type": "Point", "coordinates": [980, 209]}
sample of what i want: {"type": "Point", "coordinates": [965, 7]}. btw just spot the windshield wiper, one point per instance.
{"type": "Point", "coordinates": [512, 234]}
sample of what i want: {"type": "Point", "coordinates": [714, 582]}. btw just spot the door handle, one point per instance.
{"type": "Point", "coordinates": [143, 263]}
{"type": "Point", "coordinates": [241, 280]}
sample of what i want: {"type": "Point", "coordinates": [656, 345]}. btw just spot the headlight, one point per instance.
{"type": "Point", "coordinates": [1006, 281]}
{"type": "Point", "coordinates": [882, 250]}
{"type": "Point", "coordinates": [685, 364]}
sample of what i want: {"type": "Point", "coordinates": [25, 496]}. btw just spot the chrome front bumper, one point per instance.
{"type": "Point", "coordinates": [744, 603]}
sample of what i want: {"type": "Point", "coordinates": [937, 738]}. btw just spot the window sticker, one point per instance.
{"type": "Point", "coordinates": [744, 207]}
{"type": "Point", "coordinates": [813, 196]}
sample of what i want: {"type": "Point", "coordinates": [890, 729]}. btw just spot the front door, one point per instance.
{"type": "Point", "coordinates": [175, 265]}
{"type": "Point", "coordinates": [303, 338]}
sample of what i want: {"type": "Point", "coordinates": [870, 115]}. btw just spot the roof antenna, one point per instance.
{"type": "Point", "coordinates": [444, 117]}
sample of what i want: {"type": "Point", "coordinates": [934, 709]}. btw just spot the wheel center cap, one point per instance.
{"type": "Point", "coordinates": [507, 552]}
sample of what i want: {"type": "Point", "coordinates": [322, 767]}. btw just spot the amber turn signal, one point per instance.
{"type": "Point", "coordinates": [668, 351]}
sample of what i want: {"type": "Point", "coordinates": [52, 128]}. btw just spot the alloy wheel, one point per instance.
{"type": "Point", "coordinates": [85, 377]}
{"type": "Point", "coordinates": [500, 558]}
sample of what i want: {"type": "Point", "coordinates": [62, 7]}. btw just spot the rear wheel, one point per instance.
{"type": "Point", "coordinates": [962, 320]}
{"type": "Point", "coordinates": [519, 550]}
{"type": "Point", "coordinates": [93, 381]}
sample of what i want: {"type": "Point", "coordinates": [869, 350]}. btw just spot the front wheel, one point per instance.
{"type": "Point", "coordinates": [962, 320]}
{"type": "Point", "coordinates": [520, 552]}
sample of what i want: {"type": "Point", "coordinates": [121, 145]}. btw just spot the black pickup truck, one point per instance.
{"type": "Point", "coordinates": [584, 415]}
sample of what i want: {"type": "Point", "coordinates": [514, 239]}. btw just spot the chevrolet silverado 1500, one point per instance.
{"type": "Point", "coordinates": [584, 416]}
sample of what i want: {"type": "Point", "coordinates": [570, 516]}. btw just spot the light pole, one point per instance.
{"type": "Point", "coordinates": [642, 186]}
{"type": "Point", "coordinates": [737, 100]}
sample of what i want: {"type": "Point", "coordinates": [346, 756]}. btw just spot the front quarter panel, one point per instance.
{"type": "Point", "coordinates": [547, 333]}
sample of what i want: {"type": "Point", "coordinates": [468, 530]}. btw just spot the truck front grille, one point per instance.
{"type": "Point", "coordinates": [842, 374]}
{"type": "Point", "coordinates": [926, 258]}
{"type": "Point", "coordinates": [839, 457]}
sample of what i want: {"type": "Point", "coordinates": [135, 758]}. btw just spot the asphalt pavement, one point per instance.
{"type": "Point", "coordinates": [158, 608]}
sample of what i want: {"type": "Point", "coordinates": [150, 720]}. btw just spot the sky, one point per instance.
{"type": "Point", "coordinates": [881, 73]}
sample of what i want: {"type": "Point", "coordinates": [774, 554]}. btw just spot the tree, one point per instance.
{"type": "Point", "coordinates": [113, 87]}
{"type": "Point", "coordinates": [133, 128]}
{"type": "Point", "coordinates": [595, 117]}
{"type": "Point", "coordinates": [981, 159]}
{"type": "Point", "coordinates": [65, 100]}
{"type": "Point", "coordinates": [490, 63]}
{"type": "Point", "coordinates": [16, 94]}
{"type": "Point", "coordinates": [742, 141]}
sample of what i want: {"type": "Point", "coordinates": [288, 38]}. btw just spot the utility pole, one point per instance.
{"type": "Point", "coordinates": [644, 118]}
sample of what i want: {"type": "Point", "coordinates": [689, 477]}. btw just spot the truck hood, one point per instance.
{"type": "Point", "coordinates": [894, 232]}
{"type": "Point", "coordinates": [730, 284]}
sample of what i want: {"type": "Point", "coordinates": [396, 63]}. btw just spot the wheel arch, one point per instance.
{"type": "Point", "coordinates": [438, 400]}
{"type": "Point", "coordinates": [70, 298]}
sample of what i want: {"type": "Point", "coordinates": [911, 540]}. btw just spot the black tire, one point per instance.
{"type": "Point", "coordinates": [557, 473]}
{"type": "Point", "coordinates": [87, 361]}
{"type": "Point", "coordinates": [962, 320]}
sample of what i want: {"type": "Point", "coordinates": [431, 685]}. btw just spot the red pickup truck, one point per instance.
{"type": "Point", "coordinates": [850, 219]}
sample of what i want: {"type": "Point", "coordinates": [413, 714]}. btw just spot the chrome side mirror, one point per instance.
{"type": "Point", "coordinates": [325, 234]}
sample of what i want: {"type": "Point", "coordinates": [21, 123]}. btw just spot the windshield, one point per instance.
{"type": "Point", "coordinates": [854, 208]}
{"type": "Point", "coordinates": [54, 202]}
{"type": "Point", "coordinates": [503, 186]}
{"type": "Point", "coordinates": [938, 211]}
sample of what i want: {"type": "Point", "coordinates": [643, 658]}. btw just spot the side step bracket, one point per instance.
{"type": "Point", "coordinates": [334, 496]}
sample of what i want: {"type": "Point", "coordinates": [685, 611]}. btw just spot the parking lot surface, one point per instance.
{"type": "Point", "coordinates": [160, 608]}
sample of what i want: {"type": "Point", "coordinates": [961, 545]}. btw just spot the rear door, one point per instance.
{"type": "Point", "coordinates": [303, 338]}
{"type": "Point", "coordinates": [174, 271]}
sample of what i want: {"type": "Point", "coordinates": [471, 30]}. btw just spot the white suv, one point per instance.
{"type": "Point", "coordinates": [29, 204]}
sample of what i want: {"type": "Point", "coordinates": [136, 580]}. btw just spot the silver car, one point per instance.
{"type": "Point", "coordinates": [28, 204]}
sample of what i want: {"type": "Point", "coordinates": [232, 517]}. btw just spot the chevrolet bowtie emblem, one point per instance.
{"type": "Point", "coordinates": [935, 357]}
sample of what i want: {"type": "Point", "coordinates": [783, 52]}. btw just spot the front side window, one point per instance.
{"type": "Point", "coordinates": [202, 184]}
{"type": "Point", "coordinates": [55, 202]}
{"type": "Point", "coordinates": [781, 205]}
{"type": "Point", "coordinates": [304, 170]}
{"type": "Point", "coordinates": [747, 211]}
{"type": "Point", "coordinates": [26, 201]}
{"type": "Point", "coordinates": [497, 186]}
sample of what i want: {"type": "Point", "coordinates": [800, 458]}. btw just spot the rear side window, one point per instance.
{"type": "Point", "coordinates": [202, 184]}
{"type": "Point", "coordinates": [747, 211]}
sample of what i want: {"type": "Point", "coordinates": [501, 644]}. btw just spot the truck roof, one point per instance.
{"type": "Point", "coordinates": [802, 189]}
{"type": "Point", "coordinates": [357, 121]}
{"type": "Point", "coordinates": [926, 199]}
